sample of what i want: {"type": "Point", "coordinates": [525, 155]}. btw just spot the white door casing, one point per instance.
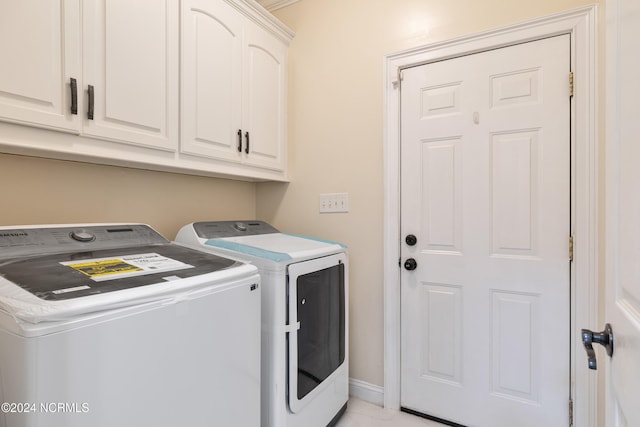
{"type": "Point", "coordinates": [623, 211]}
{"type": "Point", "coordinates": [580, 23]}
{"type": "Point", "coordinates": [485, 187]}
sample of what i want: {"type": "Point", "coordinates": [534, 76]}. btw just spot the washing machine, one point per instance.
{"type": "Point", "coordinates": [305, 355]}
{"type": "Point", "coordinates": [113, 325]}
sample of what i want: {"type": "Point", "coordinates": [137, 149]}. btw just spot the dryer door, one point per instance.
{"type": "Point", "coordinates": [316, 308]}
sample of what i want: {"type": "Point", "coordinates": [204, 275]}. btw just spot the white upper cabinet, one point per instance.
{"type": "Point", "coordinates": [130, 71]}
{"type": "Point", "coordinates": [264, 99]}
{"type": "Point", "coordinates": [233, 85]}
{"type": "Point", "coordinates": [194, 86]}
{"type": "Point", "coordinates": [211, 89]}
{"type": "Point", "coordinates": [38, 47]}
{"type": "Point", "coordinates": [125, 73]}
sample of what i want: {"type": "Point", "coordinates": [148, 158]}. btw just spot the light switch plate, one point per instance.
{"type": "Point", "coordinates": [334, 203]}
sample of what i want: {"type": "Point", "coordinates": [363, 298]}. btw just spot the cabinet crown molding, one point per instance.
{"type": "Point", "coordinates": [262, 16]}
{"type": "Point", "coordinates": [272, 5]}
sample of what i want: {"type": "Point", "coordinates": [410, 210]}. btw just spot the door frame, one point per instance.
{"type": "Point", "coordinates": [581, 25]}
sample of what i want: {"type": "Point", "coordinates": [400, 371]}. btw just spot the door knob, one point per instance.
{"type": "Point", "coordinates": [410, 264]}
{"type": "Point", "coordinates": [411, 240]}
{"type": "Point", "coordinates": [604, 338]}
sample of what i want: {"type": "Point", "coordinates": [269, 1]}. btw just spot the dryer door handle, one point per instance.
{"type": "Point", "coordinates": [292, 327]}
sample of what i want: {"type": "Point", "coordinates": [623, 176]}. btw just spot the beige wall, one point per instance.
{"type": "Point", "coordinates": [41, 191]}
{"type": "Point", "coordinates": [335, 128]}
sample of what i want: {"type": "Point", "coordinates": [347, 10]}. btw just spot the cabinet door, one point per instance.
{"type": "Point", "coordinates": [265, 89]}
{"type": "Point", "coordinates": [39, 47]}
{"type": "Point", "coordinates": [130, 58]}
{"type": "Point", "coordinates": [211, 78]}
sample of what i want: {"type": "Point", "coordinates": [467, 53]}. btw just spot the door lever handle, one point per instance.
{"type": "Point", "coordinates": [604, 338]}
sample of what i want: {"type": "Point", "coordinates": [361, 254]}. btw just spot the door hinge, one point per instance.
{"type": "Point", "coordinates": [571, 84]}
{"type": "Point", "coordinates": [398, 80]}
{"type": "Point", "coordinates": [570, 412]}
{"type": "Point", "coordinates": [570, 248]}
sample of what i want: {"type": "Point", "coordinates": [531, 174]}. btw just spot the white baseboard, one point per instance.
{"type": "Point", "coordinates": [366, 391]}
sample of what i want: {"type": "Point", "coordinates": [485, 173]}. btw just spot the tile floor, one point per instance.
{"type": "Point", "coordinates": [364, 414]}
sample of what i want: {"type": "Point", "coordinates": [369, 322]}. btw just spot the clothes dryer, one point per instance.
{"type": "Point", "coordinates": [305, 355]}
{"type": "Point", "coordinates": [113, 325]}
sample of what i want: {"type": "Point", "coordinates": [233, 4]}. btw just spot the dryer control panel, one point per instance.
{"type": "Point", "coordinates": [218, 229]}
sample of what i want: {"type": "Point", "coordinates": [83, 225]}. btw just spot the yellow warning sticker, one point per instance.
{"type": "Point", "coordinates": [104, 268]}
{"type": "Point", "coordinates": [100, 269]}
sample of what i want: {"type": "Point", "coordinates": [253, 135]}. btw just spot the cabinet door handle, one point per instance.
{"type": "Point", "coordinates": [90, 109]}
{"type": "Point", "coordinates": [246, 149]}
{"type": "Point", "coordinates": [74, 95]}
{"type": "Point", "coordinates": [239, 140]}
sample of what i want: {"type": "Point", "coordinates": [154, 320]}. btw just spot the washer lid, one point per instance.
{"type": "Point", "coordinates": [67, 276]}
{"type": "Point", "coordinates": [277, 247]}
{"type": "Point", "coordinates": [53, 274]}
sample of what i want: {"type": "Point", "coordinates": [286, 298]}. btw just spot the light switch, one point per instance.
{"type": "Point", "coordinates": [334, 203]}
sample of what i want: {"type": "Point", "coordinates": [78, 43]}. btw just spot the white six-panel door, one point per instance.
{"type": "Point", "coordinates": [485, 188]}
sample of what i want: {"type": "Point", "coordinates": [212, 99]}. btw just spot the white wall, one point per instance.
{"type": "Point", "coordinates": [335, 128]}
